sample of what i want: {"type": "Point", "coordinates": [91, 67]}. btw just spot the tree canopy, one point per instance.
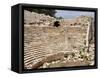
{"type": "Point", "coordinates": [50, 12]}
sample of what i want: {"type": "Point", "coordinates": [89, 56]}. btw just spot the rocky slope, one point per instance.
{"type": "Point", "coordinates": [46, 46]}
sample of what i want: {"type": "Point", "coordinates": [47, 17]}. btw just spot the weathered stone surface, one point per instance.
{"type": "Point", "coordinates": [46, 46]}
{"type": "Point", "coordinates": [33, 18]}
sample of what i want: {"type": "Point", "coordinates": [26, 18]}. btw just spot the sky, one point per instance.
{"type": "Point", "coordinates": [72, 14]}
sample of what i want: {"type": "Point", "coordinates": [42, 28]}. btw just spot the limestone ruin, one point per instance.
{"type": "Point", "coordinates": [46, 46]}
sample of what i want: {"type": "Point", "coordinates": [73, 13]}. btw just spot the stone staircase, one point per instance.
{"type": "Point", "coordinates": [43, 44]}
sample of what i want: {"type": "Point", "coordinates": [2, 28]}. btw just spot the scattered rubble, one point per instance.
{"type": "Point", "coordinates": [46, 46]}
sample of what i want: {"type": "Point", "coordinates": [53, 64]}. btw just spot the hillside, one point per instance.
{"type": "Point", "coordinates": [46, 46]}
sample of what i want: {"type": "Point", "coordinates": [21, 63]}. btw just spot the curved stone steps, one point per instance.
{"type": "Point", "coordinates": [33, 53]}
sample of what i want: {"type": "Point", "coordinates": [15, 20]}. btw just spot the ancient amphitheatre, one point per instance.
{"type": "Point", "coordinates": [70, 44]}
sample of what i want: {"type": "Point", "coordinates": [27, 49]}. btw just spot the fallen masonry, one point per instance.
{"type": "Point", "coordinates": [66, 43]}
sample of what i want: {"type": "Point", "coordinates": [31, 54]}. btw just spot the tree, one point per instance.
{"type": "Point", "coordinates": [59, 17]}
{"type": "Point", "coordinates": [50, 12]}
